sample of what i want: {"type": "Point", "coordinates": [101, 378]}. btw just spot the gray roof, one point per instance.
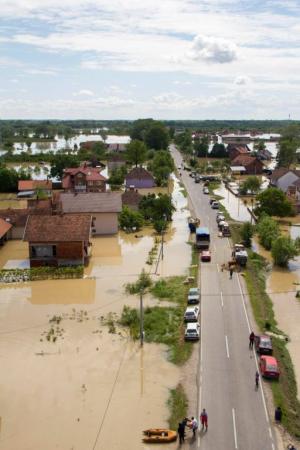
{"type": "Point", "coordinates": [91, 202]}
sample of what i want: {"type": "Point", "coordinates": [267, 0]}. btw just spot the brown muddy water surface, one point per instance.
{"type": "Point", "coordinates": [282, 285]}
{"type": "Point", "coordinates": [89, 389]}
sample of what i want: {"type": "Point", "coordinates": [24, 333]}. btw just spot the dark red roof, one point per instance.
{"type": "Point", "coordinates": [61, 228]}
{"type": "Point", "coordinates": [91, 174]}
{"type": "Point", "coordinates": [244, 160]}
{"type": "Point", "coordinates": [31, 185]}
{"type": "Point", "coordinates": [4, 227]}
{"type": "Point", "coordinates": [139, 173]}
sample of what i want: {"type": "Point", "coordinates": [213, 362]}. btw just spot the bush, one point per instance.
{"type": "Point", "coordinates": [130, 220]}
{"type": "Point", "coordinates": [247, 231]}
{"type": "Point", "coordinates": [283, 249]}
{"type": "Point", "coordinates": [268, 231]}
{"type": "Point", "coordinates": [144, 281]}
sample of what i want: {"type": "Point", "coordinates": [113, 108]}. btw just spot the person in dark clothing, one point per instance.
{"type": "Point", "coordinates": [251, 339]}
{"type": "Point", "coordinates": [230, 272]}
{"type": "Point", "coordinates": [278, 414]}
{"type": "Point", "coordinates": [181, 432]}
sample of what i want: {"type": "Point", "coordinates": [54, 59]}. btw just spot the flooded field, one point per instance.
{"type": "Point", "coordinates": [234, 205]}
{"type": "Point", "coordinates": [76, 389]}
{"type": "Point", "coordinates": [282, 285]}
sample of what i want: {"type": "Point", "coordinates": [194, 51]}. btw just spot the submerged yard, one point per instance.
{"type": "Point", "coordinates": [73, 377]}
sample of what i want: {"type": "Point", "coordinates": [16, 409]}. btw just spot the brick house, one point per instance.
{"type": "Point", "coordinates": [139, 178]}
{"type": "Point", "coordinates": [83, 179]}
{"type": "Point", "coordinates": [252, 165]}
{"type": "Point", "coordinates": [237, 150]}
{"type": "Point", "coordinates": [104, 207]}
{"type": "Point", "coordinates": [28, 188]}
{"type": "Point", "coordinates": [131, 198]}
{"type": "Point", "coordinates": [5, 227]}
{"type": "Point", "coordinates": [62, 240]}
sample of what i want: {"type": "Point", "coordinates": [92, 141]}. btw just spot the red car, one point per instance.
{"type": "Point", "coordinates": [205, 255]}
{"type": "Point", "coordinates": [269, 367]}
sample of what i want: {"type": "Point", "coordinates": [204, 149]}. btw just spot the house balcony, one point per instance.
{"type": "Point", "coordinates": [80, 187]}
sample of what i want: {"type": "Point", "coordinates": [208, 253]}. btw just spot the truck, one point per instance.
{"type": "Point", "coordinates": [240, 254]}
{"type": "Point", "coordinates": [202, 238]}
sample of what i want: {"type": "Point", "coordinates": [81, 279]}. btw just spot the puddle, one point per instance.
{"type": "Point", "coordinates": [121, 383]}
{"type": "Point", "coordinates": [282, 286]}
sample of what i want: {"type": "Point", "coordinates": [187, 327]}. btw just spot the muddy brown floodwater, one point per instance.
{"type": "Point", "coordinates": [89, 389]}
{"type": "Point", "coordinates": [282, 285]}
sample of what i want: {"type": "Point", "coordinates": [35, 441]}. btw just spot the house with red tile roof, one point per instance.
{"type": "Point", "coordinates": [62, 240]}
{"type": "Point", "coordinates": [236, 150]}
{"type": "Point", "coordinates": [139, 178]}
{"type": "Point", "coordinates": [28, 188]}
{"type": "Point", "coordinates": [252, 165]}
{"type": "Point", "coordinates": [83, 179]}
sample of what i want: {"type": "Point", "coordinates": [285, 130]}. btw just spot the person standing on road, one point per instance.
{"type": "Point", "coordinates": [231, 272]}
{"type": "Point", "coordinates": [256, 380]}
{"type": "Point", "coordinates": [203, 419]}
{"type": "Point", "coordinates": [181, 432]}
{"type": "Point", "coordinates": [194, 425]}
{"type": "Point", "coordinates": [251, 339]}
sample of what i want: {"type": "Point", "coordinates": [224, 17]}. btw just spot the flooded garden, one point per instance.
{"type": "Point", "coordinates": [63, 364]}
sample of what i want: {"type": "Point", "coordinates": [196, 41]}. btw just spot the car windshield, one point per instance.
{"type": "Point", "coordinates": [189, 313]}
{"type": "Point", "coordinates": [265, 342]}
{"type": "Point", "coordinates": [272, 368]}
{"type": "Point", "coordinates": [191, 331]}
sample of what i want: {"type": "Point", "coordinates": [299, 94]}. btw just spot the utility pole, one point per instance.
{"type": "Point", "coordinates": [141, 318]}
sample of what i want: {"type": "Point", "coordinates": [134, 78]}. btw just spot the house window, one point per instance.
{"type": "Point", "coordinates": [43, 251]}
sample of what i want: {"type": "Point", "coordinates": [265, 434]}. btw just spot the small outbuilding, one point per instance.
{"type": "Point", "coordinates": [62, 240]}
{"type": "Point", "coordinates": [139, 178]}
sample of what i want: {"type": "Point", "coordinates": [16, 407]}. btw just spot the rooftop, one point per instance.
{"type": "Point", "coordinates": [140, 173]}
{"type": "Point", "coordinates": [4, 227]}
{"type": "Point", "coordinates": [91, 202]}
{"type": "Point", "coordinates": [29, 185]}
{"type": "Point", "coordinates": [61, 228]}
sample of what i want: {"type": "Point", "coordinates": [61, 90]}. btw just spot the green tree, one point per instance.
{"type": "Point", "coordinates": [61, 162]}
{"type": "Point", "coordinates": [252, 184]}
{"type": "Point", "coordinates": [184, 141]}
{"type": "Point", "coordinates": [247, 231]}
{"type": "Point", "coordinates": [201, 146]}
{"type": "Point", "coordinates": [9, 179]}
{"type": "Point", "coordinates": [288, 144]}
{"type": "Point", "coordinates": [136, 152]}
{"type": "Point", "coordinates": [274, 202]}
{"type": "Point", "coordinates": [130, 220]}
{"type": "Point", "coordinates": [283, 249]}
{"type": "Point", "coordinates": [157, 136]}
{"type": "Point", "coordinates": [268, 231]}
{"type": "Point", "coordinates": [259, 146]}
{"type": "Point", "coordinates": [139, 128]}
{"type": "Point", "coordinates": [155, 208]}
{"type": "Point", "coordinates": [161, 166]}
{"type": "Point", "coordinates": [117, 176]}
{"type": "Point", "coordinates": [219, 151]}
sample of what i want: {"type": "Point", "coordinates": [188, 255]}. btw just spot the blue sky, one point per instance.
{"type": "Point", "coordinates": [170, 59]}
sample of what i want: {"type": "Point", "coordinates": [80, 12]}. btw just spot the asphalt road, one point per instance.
{"type": "Point", "coordinates": [237, 413]}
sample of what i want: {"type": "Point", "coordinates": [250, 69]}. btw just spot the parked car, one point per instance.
{"type": "Point", "coordinates": [193, 296]}
{"type": "Point", "coordinates": [191, 314]}
{"type": "Point", "coordinates": [215, 205]}
{"type": "Point", "coordinates": [205, 190]}
{"type": "Point", "coordinates": [263, 345]}
{"type": "Point", "coordinates": [211, 200]}
{"type": "Point", "coordinates": [205, 255]}
{"type": "Point", "coordinates": [220, 218]}
{"type": "Point", "coordinates": [269, 367]}
{"type": "Point", "coordinates": [197, 179]}
{"type": "Point", "coordinates": [192, 332]}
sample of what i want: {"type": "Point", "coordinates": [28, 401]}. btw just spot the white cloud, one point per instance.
{"type": "Point", "coordinates": [83, 92]}
{"type": "Point", "coordinates": [41, 72]}
{"type": "Point", "coordinates": [242, 80]}
{"type": "Point", "coordinates": [14, 80]}
{"type": "Point", "coordinates": [212, 49]}
{"type": "Point", "coordinates": [181, 83]}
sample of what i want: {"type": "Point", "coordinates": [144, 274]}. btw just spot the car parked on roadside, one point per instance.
{"type": "Point", "coordinates": [215, 205]}
{"type": "Point", "coordinates": [220, 218]}
{"type": "Point", "coordinates": [205, 256]}
{"type": "Point", "coordinates": [193, 296]}
{"type": "Point", "coordinates": [269, 367]}
{"type": "Point", "coordinates": [263, 345]}
{"type": "Point", "coordinates": [191, 314]}
{"type": "Point", "coordinates": [205, 190]}
{"type": "Point", "coordinates": [192, 332]}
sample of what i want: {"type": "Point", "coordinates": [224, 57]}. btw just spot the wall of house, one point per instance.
{"type": "Point", "coordinates": [67, 253]}
{"type": "Point", "coordinates": [105, 223]}
{"type": "Point", "coordinates": [286, 180]}
{"type": "Point", "coordinates": [16, 232]}
{"type": "Point", "coordinates": [254, 168]}
{"type": "Point", "coordinates": [140, 184]}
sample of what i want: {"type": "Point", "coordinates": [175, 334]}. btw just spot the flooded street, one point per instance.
{"type": "Point", "coordinates": [282, 285]}
{"type": "Point", "coordinates": [75, 390]}
{"type": "Point", "coordinates": [234, 205]}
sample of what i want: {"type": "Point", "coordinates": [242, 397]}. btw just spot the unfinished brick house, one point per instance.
{"type": "Point", "coordinates": [62, 240]}
{"type": "Point", "coordinates": [83, 179]}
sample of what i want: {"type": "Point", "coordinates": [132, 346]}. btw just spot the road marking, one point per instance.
{"type": "Point", "coordinates": [222, 302]}
{"type": "Point", "coordinates": [270, 433]}
{"type": "Point", "coordinates": [218, 268]}
{"type": "Point", "coordinates": [234, 429]}
{"type": "Point", "coordinates": [227, 348]}
{"type": "Point", "coordinates": [198, 442]}
{"type": "Point", "coordinates": [273, 446]}
{"type": "Point", "coordinates": [255, 356]}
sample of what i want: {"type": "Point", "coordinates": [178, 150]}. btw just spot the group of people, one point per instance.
{"type": "Point", "coordinates": [192, 424]}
